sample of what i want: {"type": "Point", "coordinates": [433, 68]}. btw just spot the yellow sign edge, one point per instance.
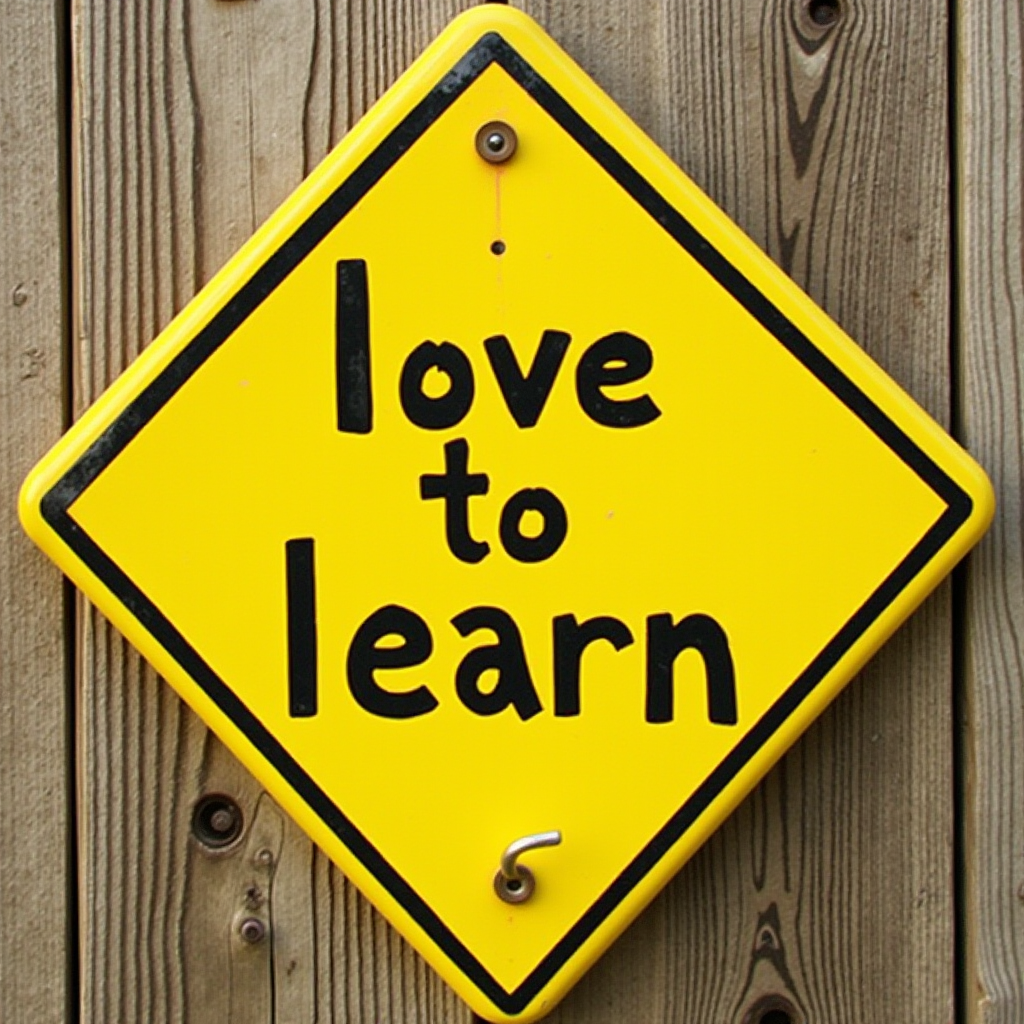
{"type": "Point", "coordinates": [679, 192]}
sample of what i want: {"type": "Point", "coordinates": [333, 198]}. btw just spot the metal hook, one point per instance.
{"type": "Point", "coordinates": [514, 883]}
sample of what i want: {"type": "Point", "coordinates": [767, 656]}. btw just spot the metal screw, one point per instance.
{"type": "Point", "coordinates": [19, 296]}
{"type": "Point", "coordinates": [221, 820]}
{"type": "Point", "coordinates": [252, 930]}
{"type": "Point", "coordinates": [496, 141]}
{"type": "Point", "coordinates": [216, 821]}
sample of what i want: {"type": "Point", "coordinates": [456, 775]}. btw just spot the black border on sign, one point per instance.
{"type": "Point", "coordinates": [492, 48]}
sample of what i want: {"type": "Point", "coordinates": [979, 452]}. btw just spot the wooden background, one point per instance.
{"type": "Point", "coordinates": [874, 149]}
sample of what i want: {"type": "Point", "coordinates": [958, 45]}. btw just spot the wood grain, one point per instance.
{"type": "Point", "coordinates": [990, 183]}
{"type": "Point", "coordinates": [193, 121]}
{"type": "Point", "coordinates": [36, 943]}
{"type": "Point", "coordinates": [831, 886]}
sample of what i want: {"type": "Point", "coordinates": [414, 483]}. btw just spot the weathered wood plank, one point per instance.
{"type": "Point", "coordinates": [831, 886]}
{"type": "Point", "coordinates": [194, 120]}
{"type": "Point", "coordinates": [36, 942]}
{"type": "Point", "coordinates": [989, 116]}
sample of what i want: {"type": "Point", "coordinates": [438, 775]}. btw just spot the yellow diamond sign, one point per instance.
{"type": "Point", "coordinates": [500, 485]}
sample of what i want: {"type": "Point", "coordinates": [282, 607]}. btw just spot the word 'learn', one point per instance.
{"type": "Point", "coordinates": [373, 651]}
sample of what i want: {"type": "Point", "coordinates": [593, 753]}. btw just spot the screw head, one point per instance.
{"type": "Point", "coordinates": [252, 930]}
{"type": "Point", "coordinates": [496, 142]}
{"type": "Point", "coordinates": [221, 820]}
{"type": "Point", "coordinates": [216, 821]}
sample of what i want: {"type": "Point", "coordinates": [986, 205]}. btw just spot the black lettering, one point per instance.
{"type": "Point", "coordinates": [302, 653]}
{"type": "Point", "coordinates": [526, 395]}
{"type": "Point", "coordinates": [665, 642]}
{"type": "Point", "coordinates": [456, 486]}
{"type": "Point", "coordinates": [365, 657]}
{"type": "Point", "coordinates": [507, 657]}
{"type": "Point", "coordinates": [352, 348]}
{"type": "Point", "coordinates": [448, 409]}
{"type": "Point", "coordinates": [551, 536]}
{"type": "Point", "coordinates": [615, 359]}
{"type": "Point", "coordinates": [571, 639]}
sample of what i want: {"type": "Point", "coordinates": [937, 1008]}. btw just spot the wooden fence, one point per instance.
{"type": "Point", "coordinates": [874, 149]}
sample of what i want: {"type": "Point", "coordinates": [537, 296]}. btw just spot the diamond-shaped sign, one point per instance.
{"type": "Point", "coordinates": [500, 485]}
